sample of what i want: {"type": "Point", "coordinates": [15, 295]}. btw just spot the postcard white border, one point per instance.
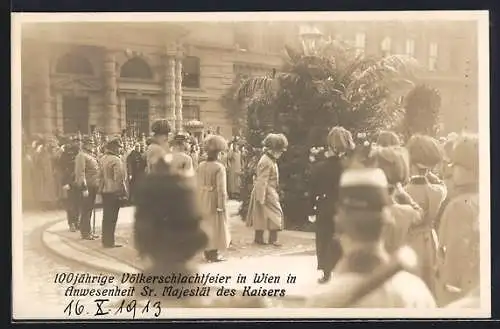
{"type": "Point", "coordinates": [20, 308]}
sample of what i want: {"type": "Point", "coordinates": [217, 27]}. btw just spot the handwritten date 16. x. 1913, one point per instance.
{"type": "Point", "coordinates": [102, 307]}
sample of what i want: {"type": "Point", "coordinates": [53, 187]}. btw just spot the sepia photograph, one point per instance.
{"type": "Point", "coordinates": [250, 165]}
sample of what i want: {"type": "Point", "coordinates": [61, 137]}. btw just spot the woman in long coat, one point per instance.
{"type": "Point", "coordinates": [264, 209]}
{"type": "Point", "coordinates": [233, 171]}
{"type": "Point", "coordinates": [47, 184]}
{"type": "Point", "coordinates": [323, 194]}
{"type": "Point", "coordinates": [425, 154]}
{"type": "Point", "coordinates": [211, 177]}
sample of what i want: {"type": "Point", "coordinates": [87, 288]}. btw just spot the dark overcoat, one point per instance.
{"type": "Point", "coordinates": [323, 196]}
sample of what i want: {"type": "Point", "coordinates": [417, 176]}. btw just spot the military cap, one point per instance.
{"type": "Point", "coordinates": [364, 189]}
{"type": "Point", "coordinates": [340, 140]}
{"type": "Point", "coordinates": [214, 143]}
{"type": "Point", "coordinates": [114, 142]}
{"type": "Point", "coordinates": [424, 151]}
{"type": "Point", "coordinates": [275, 142]}
{"type": "Point", "coordinates": [466, 152]}
{"type": "Point", "coordinates": [161, 127]}
{"type": "Point", "coordinates": [87, 140]}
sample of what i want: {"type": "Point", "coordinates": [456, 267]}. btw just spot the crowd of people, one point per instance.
{"type": "Point", "coordinates": [426, 197]}
{"type": "Point", "coordinates": [368, 199]}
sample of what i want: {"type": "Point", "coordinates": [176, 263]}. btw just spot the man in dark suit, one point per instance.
{"type": "Point", "coordinates": [73, 192]}
{"type": "Point", "coordinates": [136, 165]}
{"type": "Point", "coordinates": [323, 194]}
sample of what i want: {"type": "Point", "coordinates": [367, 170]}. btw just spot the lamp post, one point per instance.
{"type": "Point", "coordinates": [310, 37]}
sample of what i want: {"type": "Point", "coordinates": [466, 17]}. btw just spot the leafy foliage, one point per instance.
{"type": "Point", "coordinates": [422, 111]}
{"type": "Point", "coordinates": [310, 95]}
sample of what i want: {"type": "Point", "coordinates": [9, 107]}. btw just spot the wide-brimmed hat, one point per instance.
{"type": "Point", "coordinates": [161, 127]}
{"type": "Point", "coordinates": [215, 143]}
{"type": "Point", "coordinates": [340, 140]}
{"type": "Point", "coordinates": [388, 138]}
{"type": "Point", "coordinates": [393, 161]}
{"type": "Point", "coordinates": [275, 142]}
{"type": "Point", "coordinates": [424, 151]}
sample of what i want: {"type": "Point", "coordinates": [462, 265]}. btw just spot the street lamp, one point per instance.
{"type": "Point", "coordinates": [310, 37]}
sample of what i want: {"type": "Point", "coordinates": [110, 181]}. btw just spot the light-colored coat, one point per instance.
{"type": "Point", "coordinates": [397, 229]}
{"type": "Point", "coordinates": [211, 184]}
{"type": "Point", "coordinates": [458, 264]}
{"type": "Point", "coordinates": [429, 197]}
{"type": "Point", "coordinates": [264, 210]}
{"type": "Point", "coordinates": [113, 175]}
{"type": "Point", "coordinates": [154, 153]}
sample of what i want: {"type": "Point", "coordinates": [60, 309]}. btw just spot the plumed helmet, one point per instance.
{"type": "Point", "coordinates": [214, 143]}
{"type": "Point", "coordinates": [275, 142]}
{"type": "Point", "coordinates": [161, 127]}
{"type": "Point", "coordinates": [388, 138]}
{"type": "Point", "coordinates": [394, 161]}
{"type": "Point", "coordinates": [424, 151]}
{"type": "Point", "coordinates": [466, 152]}
{"type": "Point", "coordinates": [340, 140]}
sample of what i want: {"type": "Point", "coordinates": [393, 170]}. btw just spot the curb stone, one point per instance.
{"type": "Point", "coordinates": [50, 240]}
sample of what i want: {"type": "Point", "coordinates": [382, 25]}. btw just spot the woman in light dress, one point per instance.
{"type": "Point", "coordinates": [211, 184]}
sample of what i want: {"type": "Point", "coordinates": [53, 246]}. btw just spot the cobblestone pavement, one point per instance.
{"type": "Point", "coordinates": [39, 268]}
{"type": "Point", "coordinates": [242, 246]}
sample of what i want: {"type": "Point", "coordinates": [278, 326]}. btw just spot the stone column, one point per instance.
{"type": "Point", "coordinates": [46, 115]}
{"type": "Point", "coordinates": [59, 111]}
{"type": "Point", "coordinates": [178, 92]}
{"type": "Point", "coordinates": [112, 111]}
{"type": "Point", "coordinates": [169, 87]}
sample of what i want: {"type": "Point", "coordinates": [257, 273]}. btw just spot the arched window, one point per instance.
{"type": "Point", "coordinates": [136, 68]}
{"type": "Point", "coordinates": [74, 64]}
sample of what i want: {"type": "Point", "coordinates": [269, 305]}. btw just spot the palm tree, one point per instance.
{"type": "Point", "coordinates": [310, 94]}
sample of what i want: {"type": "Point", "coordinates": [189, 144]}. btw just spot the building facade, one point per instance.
{"type": "Point", "coordinates": [120, 77]}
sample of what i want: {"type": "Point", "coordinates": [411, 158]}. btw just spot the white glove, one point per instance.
{"type": "Point", "coordinates": [66, 187]}
{"type": "Point", "coordinates": [86, 193]}
{"type": "Point", "coordinates": [312, 218]}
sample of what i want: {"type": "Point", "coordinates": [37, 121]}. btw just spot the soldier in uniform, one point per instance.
{"type": "Point", "coordinates": [264, 209]}
{"type": "Point", "coordinates": [458, 232]}
{"type": "Point", "coordinates": [425, 154]}
{"type": "Point", "coordinates": [159, 146]}
{"type": "Point", "coordinates": [212, 191]}
{"type": "Point", "coordinates": [87, 179]}
{"type": "Point", "coordinates": [167, 231]}
{"type": "Point", "coordinates": [404, 212]}
{"type": "Point", "coordinates": [113, 190]}
{"type": "Point", "coordinates": [68, 182]}
{"type": "Point", "coordinates": [323, 194]}
{"type": "Point", "coordinates": [360, 222]}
